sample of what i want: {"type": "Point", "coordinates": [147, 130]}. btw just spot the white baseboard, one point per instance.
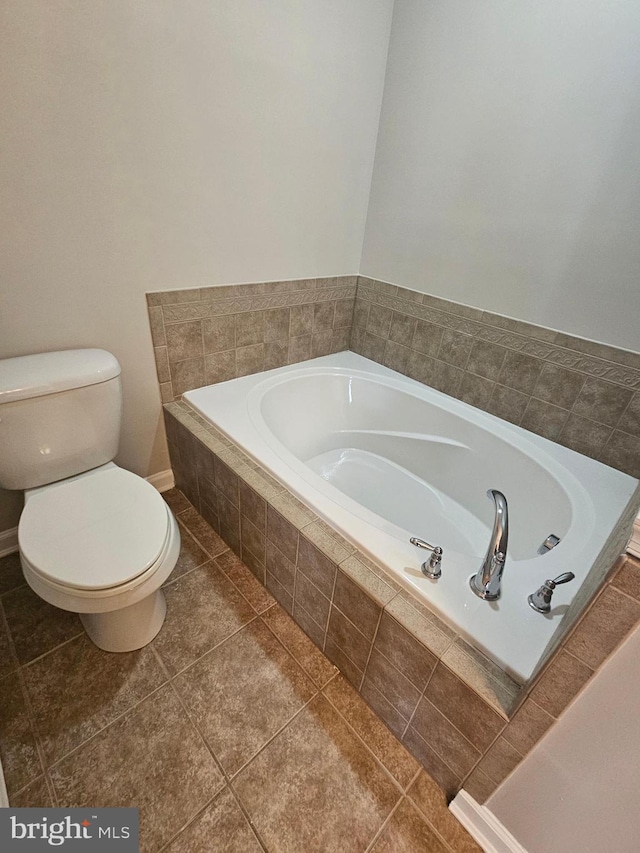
{"type": "Point", "coordinates": [162, 481]}
{"type": "Point", "coordinates": [634, 543]}
{"type": "Point", "coordinates": [8, 541]}
{"type": "Point", "coordinates": [483, 825]}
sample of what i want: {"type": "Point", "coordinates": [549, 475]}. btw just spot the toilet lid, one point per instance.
{"type": "Point", "coordinates": [94, 531]}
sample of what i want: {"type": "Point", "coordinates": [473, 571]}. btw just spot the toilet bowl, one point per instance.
{"type": "Point", "coordinates": [93, 538]}
{"type": "Point", "coordinates": [101, 544]}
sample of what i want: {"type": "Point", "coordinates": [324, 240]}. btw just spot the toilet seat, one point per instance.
{"type": "Point", "coordinates": [95, 534]}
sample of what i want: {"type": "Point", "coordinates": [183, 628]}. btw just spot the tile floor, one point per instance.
{"type": "Point", "coordinates": [231, 731]}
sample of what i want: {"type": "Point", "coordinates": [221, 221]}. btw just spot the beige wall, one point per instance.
{"type": "Point", "coordinates": [506, 173]}
{"type": "Point", "coordinates": [160, 144]}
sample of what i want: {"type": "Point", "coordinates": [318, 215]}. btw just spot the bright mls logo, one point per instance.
{"type": "Point", "coordinates": [27, 830]}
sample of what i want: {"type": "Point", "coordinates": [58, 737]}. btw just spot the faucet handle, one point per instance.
{"type": "Point", "coordinates": [420, 543]}
{"type": "Point", "coordinates": [540, 600]}
{"type": "Point", "coordinates": [565, 577]}
{"type": "Point", "coordinates": [432, 567]}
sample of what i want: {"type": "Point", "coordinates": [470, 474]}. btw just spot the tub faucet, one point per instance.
{"type": "Point", "coordinates": [486, 582]}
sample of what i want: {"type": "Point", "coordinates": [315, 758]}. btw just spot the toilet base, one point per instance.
{"type": "Point", "coordinates": [129, 628]}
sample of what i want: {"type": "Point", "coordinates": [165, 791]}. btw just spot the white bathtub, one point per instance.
{"type": "Point", "coordinates": [383, 458]}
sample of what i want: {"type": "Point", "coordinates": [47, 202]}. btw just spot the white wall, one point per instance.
{"type": "Point", "coordinates": [506, 175]}
{"type": "Point", "coordinates": [163, 144]}
{"type": "Point", "coordinates": [577, 791]}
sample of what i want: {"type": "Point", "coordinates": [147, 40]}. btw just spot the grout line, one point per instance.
{"type": "Point", "coordinates": [494, 706]}
{"type": "Point", "coordinates": [285, 725]}
{"type": "Point", "coordinates": [200, 734]}
{"type": "Point", "coordinates": [192, 663]}
{"type": "Point", "coordinates": [278, 585]}
{"type": "Point", "coordinates": [483, 755]}
{"type": "Point", "coordinates": [212, 561]}
{"type": "Point", "coordinates": [108, 725]}
{"type": "Point", "coordinates": [198, 541]}
{"type": "Point", "coordinates": [373, 642]}
{"type": "Point", "coordinates": [348, 657]}
{"type": "Point", "coordinates": [388, 701]}
{"type": "Point", "coordinates": [54, 649]}
{"type": "Point", "coordinates": [384, 825]}
{"type": "Point", "coordinates": [160, 662]}
{"type": "Point", "coordinates": [208, 563]}
{"type": "Point", "coordinates": [4, 624]}
{"type": "Point", "coordinates": [13, 589]}
{"type": "Point", "coordinates": [624, 412]}
{"type": "Point", "coordinates": [359, 737]}
{"type": "Point", "coordinates": [320, 628]}
{"type": "Point", "coordinates": [299, 663]}
{"type": "Point", "coordinates": [626, 595]}
{"type": "Point", "coordinates": [51, 789]}
{"type": "Point", "coordinates": [248, 817]}
{"type": "Point", "coordinates": [455, 773]}
{"type": "Point", "coordinates": [319, 591]}
{"type": "Point", "coordinates": [191, 821]}
{"type": "Point", "coordinates": [427, 819]}
{"type": "Point", "coordinates": [369, 640]}
{"type": "Point", "coordinates": [34, 731]}
{"type": "Point", "coordinates": [417, 774]}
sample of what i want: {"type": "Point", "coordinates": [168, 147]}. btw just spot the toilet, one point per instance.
{"type": "Point", "coordinates": [94, 538]}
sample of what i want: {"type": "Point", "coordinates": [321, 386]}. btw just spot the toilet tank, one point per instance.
{"type": "Point", "coordinates": [60, 415]}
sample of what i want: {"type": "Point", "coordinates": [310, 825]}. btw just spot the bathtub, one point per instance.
{"type": "Point", "coordinates": [383, 458]}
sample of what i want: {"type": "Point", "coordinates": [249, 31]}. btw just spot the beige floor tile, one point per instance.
{"type": "Point", "coordinates": [11, 576]}
{"type": "Point", "coordinates": [242, 577]}
{"type": "Point", "coordinates": [385, 746]}
{"type": "Point", "coordinates": [176, 501]}
{"type": "Point", "coordinates": [431, 801]}
{"type": "Point", "coordinates": [221, 828]}
{"type": "Point", "coordinates": [8, 661]}
{"type": "Point", "coordinates": [243, 692]}
{"type": "Point", "coordinates": [34, 796]}
{"type": "Point", "coordinates": [152, 759]}
{"type": "Point", "coordinates": [203, 608]}
{"type": "Point", "coordinates": [407, 832]}
{"type": "Point", "coordinates": [37, 627]}
{"type": "Point", "coordinates": [203, 532]}
{"type": "Point", "coordinates": [18, 750]}
{"type": "Point", "coordinates": [88, 688]}
{"type": "Point", "coordinates": [315, 664]}
{"type": "Point", "coordinates": [316, 787]}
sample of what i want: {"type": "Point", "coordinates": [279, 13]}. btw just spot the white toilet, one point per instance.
{"type": "Point", "coordinates": [94, 539]}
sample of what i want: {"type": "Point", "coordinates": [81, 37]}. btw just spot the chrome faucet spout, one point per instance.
{"type": "Point", "coordinates": [487, 580]}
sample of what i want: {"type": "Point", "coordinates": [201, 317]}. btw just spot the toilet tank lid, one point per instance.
{"type": "Point", "coordinates": [51, 372]}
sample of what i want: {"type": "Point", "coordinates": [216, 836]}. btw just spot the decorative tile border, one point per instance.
{"type": "Point", "coordinates": [207, 335]}
{"type": "Point", "coordinates": [578, 393]}
{"type": "Point", "coordinates": [456, 711]}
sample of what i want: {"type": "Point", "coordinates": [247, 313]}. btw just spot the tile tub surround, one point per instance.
{"type": "Point", "coordinates": [207, 335]}
{"type": "Point", "coordinates": [465, 721]}
{"type": "Point", "coordinates": [256, 743]}
{"type": "Point", "coordinates": [581, 394]}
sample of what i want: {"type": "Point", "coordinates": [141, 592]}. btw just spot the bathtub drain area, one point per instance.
{"type": "Point", "coordinates": [401, 499]}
